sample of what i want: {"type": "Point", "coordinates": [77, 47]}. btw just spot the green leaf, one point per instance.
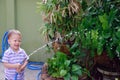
{"type": "Point", "coordinates": [106, 35]}
{"type": "Point", "coordinates": [78, 72]}
{"type": "Point", "coordinates": [111, 17]}
{"type": "Point", "coordinates": [94, 37]}
{"type": "Point", "coordinates": [99, 48]}
{"type": "Point", "coordinates": [55, 74]}
{"type": "Point", "coordinates": [75, 67]}
{"type": "Point", "coordinates": [103, 19]}
{"type": "Point", "coordinates": [74, 77]}
{"type": "Point", "coordinates": [75, 45]}
{"type": "Point", "coordinates": [63, 73]}
{"type": "Point", "coordinates": [67, 77]}
{"type": "Point", "coordinates": [85, 71]}
{"type": "Point", "coordinates": [100, 45]}
{"type": "Point", "coordinates": [67, 63]}
{"type": "Point", "coordinates": [118, 33]}
{"type": "Point", "coordinates": [61, 57]}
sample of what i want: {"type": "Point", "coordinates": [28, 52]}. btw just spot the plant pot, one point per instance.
{"type": "Point", "coordinates": [105, 62]}
{"type": "Point", "coordinates": [106, 68]}
{"type": "Point", "coordinates": [109, 75]}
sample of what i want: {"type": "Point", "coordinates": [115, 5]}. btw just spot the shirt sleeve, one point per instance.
{"type": "Point", "coordinates": [25, 55]}
{"type": "Point", "coordinates": [5, 58]}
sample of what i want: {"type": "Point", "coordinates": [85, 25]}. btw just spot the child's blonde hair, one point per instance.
{"type": "Point", "coordinates": [13, 31]}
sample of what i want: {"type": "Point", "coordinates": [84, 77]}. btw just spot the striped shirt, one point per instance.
{"type": "Point", "coordinates": [12, 57]}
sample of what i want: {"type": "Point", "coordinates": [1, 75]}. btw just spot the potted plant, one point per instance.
{"type": "Point", "coordinates": [87, 29]}
{"type": "Point", "coordinates": [99, 32]}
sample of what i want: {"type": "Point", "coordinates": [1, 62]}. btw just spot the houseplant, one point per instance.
{"type": "Point", "coordinates": [88, 29]}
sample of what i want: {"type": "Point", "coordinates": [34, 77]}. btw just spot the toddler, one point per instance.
{"type": "Point", "coordinates": [15, 58]}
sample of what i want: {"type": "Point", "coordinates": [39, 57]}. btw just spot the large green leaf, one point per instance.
{"type": "Point", "coordinates": [63, 73]}
{"type": "Point", "coordinates": [76, 69]}
{"type": "Point", "coordinates": [111, 16]}
{"type": "Point", "coordinates": [104, 20]}
{"type": "Point", "coordinates": [74, 77]}
{"type": "Point", "coordinates": [67, 77]}
{"type": "Point", "coordinates": [67, 63]}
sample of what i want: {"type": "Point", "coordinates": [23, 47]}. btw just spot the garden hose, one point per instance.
{"type": "Point", "coordinates": [38, 75]}
{"type": "Point", "coordinates": [4, 43]}
{"type": "Point", "coordinates": [35, 66]}
{"type": "Point", "coordinates": [15, 78]}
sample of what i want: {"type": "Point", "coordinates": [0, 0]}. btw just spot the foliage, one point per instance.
{"type": "Point", "coordinates": [60, 15]}
{"type": "Point", "coordinates": [60, 66]}
{"type": "Point", "coordinates": [87, 27]}
{"type": "Point", "coordinates": [100, 27]}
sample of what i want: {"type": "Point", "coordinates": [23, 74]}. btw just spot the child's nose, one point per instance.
{"type": "Point", "coordinates": [18, 42]}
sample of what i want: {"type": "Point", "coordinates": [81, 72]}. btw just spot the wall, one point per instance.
{"type": "Point", "coordinates": [22, 15]}
{"type": "Point", "coordinates": [2, 19]}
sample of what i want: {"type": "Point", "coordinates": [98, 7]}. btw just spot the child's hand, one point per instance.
{"type": "Point", "coordinates": [18, 67]}
{"type": "Point", "coordinates": [18, 70]}
{"type": "Point", "coordinates": [23, 65]}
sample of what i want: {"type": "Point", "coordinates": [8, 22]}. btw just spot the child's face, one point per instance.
{"type": "Point", "coordinates": [15, 41]}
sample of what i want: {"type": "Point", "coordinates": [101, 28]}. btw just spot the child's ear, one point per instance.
{"type": "Point", "coordinates": [8, 41]}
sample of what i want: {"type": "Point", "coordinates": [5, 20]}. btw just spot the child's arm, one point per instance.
{"type": "Point", "coordinates": [22, 67]}
{"type": "Point", "coordinates": [8, 65]}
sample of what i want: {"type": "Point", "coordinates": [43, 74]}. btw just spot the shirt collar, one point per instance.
{"type": "Point", "coordinates": [11, 50]}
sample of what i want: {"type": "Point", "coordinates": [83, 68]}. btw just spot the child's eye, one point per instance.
{"type": "Point", "coordinates": [19, 40]}
{"type": "Point", "coordinates": [15, 40]}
